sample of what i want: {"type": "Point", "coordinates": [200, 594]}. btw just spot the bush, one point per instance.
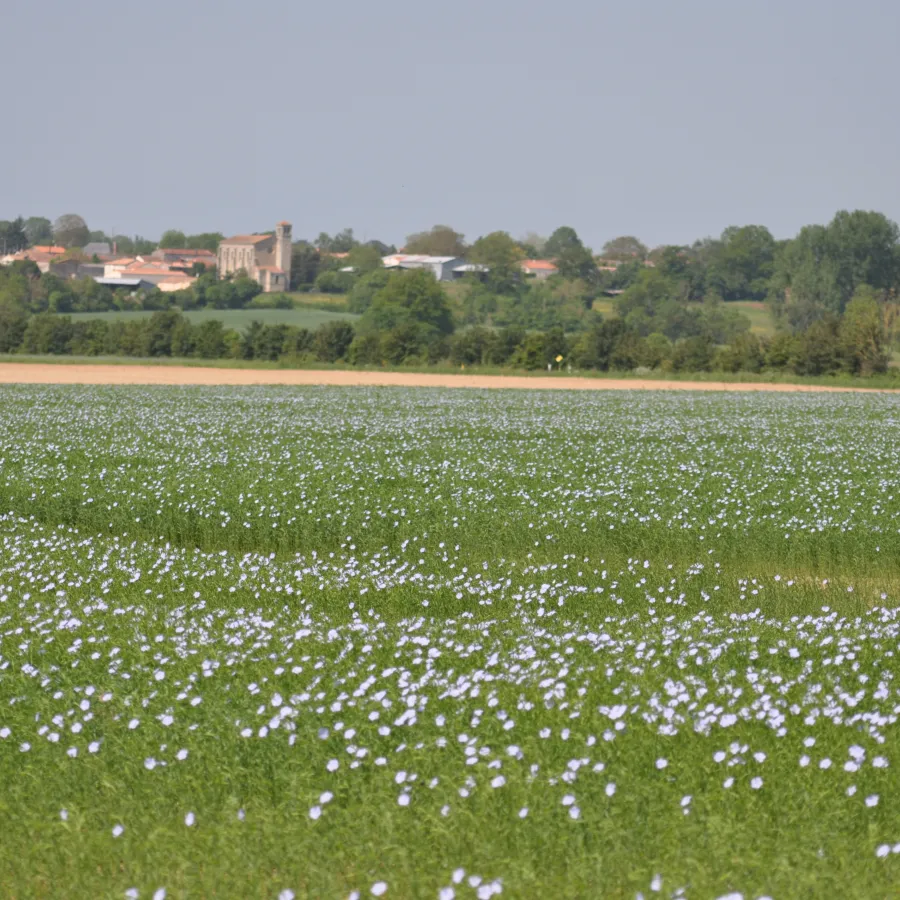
{"type": "Point", "coordinates": [271, 301]}
{"type": "Point", "coordinates": [693, 354]}
{"type": "Point", "coordinates": [332, 341]}
{"type": "Point", "coordinates": [332, 282]}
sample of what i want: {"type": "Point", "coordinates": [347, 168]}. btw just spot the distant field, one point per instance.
{"type": "Point", "coordinates": [330, 301]}
{"type": "Point", "coordinates": [237, 318]}
{"type": "Point", "coordinates": [758, 314]}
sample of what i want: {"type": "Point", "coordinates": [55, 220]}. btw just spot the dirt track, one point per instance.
{"type": "Point", "coordinates": [38, 373]}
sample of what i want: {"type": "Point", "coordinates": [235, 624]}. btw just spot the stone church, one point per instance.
{"type": "Point", "coordinates": [266, 258]}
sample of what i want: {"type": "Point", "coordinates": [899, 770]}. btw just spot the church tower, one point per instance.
{"type": "Point", "coordinates": [283, 249]}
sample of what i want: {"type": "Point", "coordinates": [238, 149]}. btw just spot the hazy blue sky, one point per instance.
{"type": "Point", "coordinates": [668, 120]}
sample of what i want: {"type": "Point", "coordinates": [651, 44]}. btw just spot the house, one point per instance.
{"type": "Point", "coordinates": [76, 268]}
{"type": "Point", "coordinates": [97, 248]}
{"type": "Point", "coordinates": [442, 267]}
{"type": "Point", "coordinates": [184, 258]}
{"type": "Point", "coordinates": [538, 268]}
{"type": "Point", "coordinates": [165, 276]}
{"type": "Point", "coordinates": [472, 269]}
{"type": "Point", "coordinates": [266, 258]}
{"type": "Point", "coordinates": [114, 267]}
{"type": "Point", "coordinates": [42, 255]}
{"type": "Point", "coordinates": [135, 284]}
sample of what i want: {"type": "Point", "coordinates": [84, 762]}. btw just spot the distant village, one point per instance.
{"type": "Point", "coordinates": [265, 258]}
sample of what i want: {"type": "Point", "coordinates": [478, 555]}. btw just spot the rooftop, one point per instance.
{"type": "Point", "coordinates": [247, 239]}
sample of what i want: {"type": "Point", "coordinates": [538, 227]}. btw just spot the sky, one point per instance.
{"type": "Point", "coordinates": [666, 120]}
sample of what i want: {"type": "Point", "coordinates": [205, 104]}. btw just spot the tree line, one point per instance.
{"type": "Point", "coordinates": [409, 322]}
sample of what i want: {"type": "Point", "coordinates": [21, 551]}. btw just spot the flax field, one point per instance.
{"type": "Point", "coordinates": [351, 643]}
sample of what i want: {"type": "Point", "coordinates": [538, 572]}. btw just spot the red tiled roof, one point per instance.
{"type": "Point", "coordinates": [543, 265]}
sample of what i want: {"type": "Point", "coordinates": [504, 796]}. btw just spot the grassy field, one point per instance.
{"type": "Point", "coordinates": [322, 642]}
{"type": "Point", "coordinates": [320, 301]}
{"type": "Point", "coordinates": [300, 316]}
{"type": "Point", "coordinates": [758, 313]}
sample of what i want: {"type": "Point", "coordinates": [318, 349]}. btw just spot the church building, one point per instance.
{"type": "Point", "coordinates": [266, 258]}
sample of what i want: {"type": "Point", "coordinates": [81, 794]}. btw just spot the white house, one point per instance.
{"type": "Point", "coordinates": [440, 266]}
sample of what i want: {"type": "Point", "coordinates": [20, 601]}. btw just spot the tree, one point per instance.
{"type": "Point", "coordinates": [693, 354]}
{"type": "Point", "coordinates": [12, 236]}
{"type": "Point", "coordinates": [532, 244]}
{"type": "Point", "coordinates": [13, 320]}
{"type": "Point", "coordinates": [502, 255]}
{"type": "Point", "coordinates": [210, 339]}
{"type": "Point", "coordinates": [742, 263]}
{"type": "Point", "coordinates": [365, 288]}
{"type": "Point", "coordinates": [332, 281]}
{"type": "Point", "coordinates": [624, 249]}
{"type": "Point", "coordinates": [865, 247]}
{"type": "Point", "coordinates": [382, 248]}
{"type": "Point", "coordinates": [70, 230]}
{"type": "Point", "coordinates": [332, 340]}
{"type": "Point", "coordinates": [172, 240]}
{"type": "Point", "coordinates": [862, 334]}
{"type": "Point", "coordinates": [207, 240]}
{"type": "Point", "coordinates": [818, 272]}
{"type": "Point", "coordinates": [157, 333]}
{"type": "Point", "coordinates": [817, 351]}
{"type": "Point", "coordinates": [306, 262]}
{"type": "Point", "coordinates": [441, 240]}
{"type": "Point", "coordinates": [38, 230]}
{"type": "Point", "coordinates": [342, 242]}
{"type": "Point", "coordinates": [595, 348]}
{"type": "Point", "coordinates": [364, 258]}
{"type": "Point", "coordinates": [410, 296]}
{"type": "Point", "coordinates": [572, 258]}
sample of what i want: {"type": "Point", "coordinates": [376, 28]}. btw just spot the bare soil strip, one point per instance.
{"type": "Point", "coordinates": [38, 373]}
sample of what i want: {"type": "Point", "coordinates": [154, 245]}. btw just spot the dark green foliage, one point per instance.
{"type": "Point", "coordinates": [13, 236]}
{"type": "Point", "coordinates": [410, 297]}
{"type": "Point", "coordinates": [364, 290]}
{"type": "Point", "coordinates": [332, 341]}
{"type": "Point", "coordinates": [334, 282]}
{"type": "Point", "coordinates": [594, 349]}
{"type": "Point", "coordinates": [439, 241]}
{"type": "Point", "coordinates": [13, 322]}
{"type": "Point", "coordinates": [693, 354]}
{"type": "Point", "coordinates": [572, 258]}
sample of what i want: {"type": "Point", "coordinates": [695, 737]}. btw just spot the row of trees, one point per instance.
{"type": "Point", "coordinates": [408, 321]}
{"type": "Point", "coordinates": [852, 345]}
